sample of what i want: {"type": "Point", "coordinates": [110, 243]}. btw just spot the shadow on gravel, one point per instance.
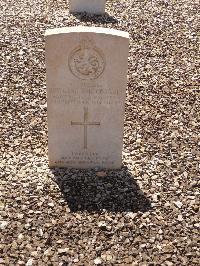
{"type": "Point", "coordinates": [115, 192]}
{"type": "Point", "coordinates": [104, 19]}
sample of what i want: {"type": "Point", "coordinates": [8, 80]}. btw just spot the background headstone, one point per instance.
{"type": "Point", "coordinates": [86, 84]}
{"type": "Point", "coordinates": [89, 6]}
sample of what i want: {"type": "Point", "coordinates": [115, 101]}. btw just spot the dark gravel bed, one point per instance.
{"type": "Point", "coordinates": [147, 213]}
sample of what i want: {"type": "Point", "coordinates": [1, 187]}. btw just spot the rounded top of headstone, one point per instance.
{"type": "Point", "coordinates": [80, 29]}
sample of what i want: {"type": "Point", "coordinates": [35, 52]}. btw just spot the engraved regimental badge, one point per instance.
{"type": "Point", "coordinates": [86, 62]}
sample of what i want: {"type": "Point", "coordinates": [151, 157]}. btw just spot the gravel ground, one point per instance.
{"type": "Point", "coordinates": [147, 212]}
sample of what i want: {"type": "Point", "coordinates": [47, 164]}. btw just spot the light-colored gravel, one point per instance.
{"type": "Point", "coordinates": [147, 212]}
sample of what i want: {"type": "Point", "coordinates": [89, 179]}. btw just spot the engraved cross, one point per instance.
{"type": "Point", "coordinates": [85, 123]}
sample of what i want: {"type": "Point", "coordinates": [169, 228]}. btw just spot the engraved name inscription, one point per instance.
{"type": "Point", "coordinates": [95, 95]}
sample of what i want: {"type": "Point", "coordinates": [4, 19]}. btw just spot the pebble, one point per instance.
{"type": "Point", "coordinates": [102, 225]}
{"type": "Point", "coordinates": [131, 215]}
{"type": "Point", "coordinates": [51, 204]}
{"type": "Point", "coordinates": [29, 262]}
{"type": "Point", "coordinates": [98, 261]}
{"type": "Point", "coordinates": [101, 174]}
{"type": "Point", "coordinates": [178, 204]}
{"type": "Point", "coordinates": [3, 224]}
{"type": "Point", "coordinates": [180, 218]}
{"type": "Point", "coordinates": [63, 250]}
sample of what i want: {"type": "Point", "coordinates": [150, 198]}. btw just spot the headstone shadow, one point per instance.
{"type": "Point", "coordinates": [103, 19]}
{"type": "Point", "coordinates": [83, 190]}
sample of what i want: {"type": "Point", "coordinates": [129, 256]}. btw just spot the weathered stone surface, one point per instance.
{"type": "Point", "coordinates": [86, 83]}
{"type": "Point", "coordinates": [89, 6]}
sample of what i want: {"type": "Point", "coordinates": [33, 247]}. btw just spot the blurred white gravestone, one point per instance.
{"type": "Point", "coordinates": [89, 6]}
{"type": "Point", "coordinates": [86, 84]}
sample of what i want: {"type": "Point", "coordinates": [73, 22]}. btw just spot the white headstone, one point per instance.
{"type": "Point", "coordinates": [86, 85]}
{"type": "Point", "coordinates": [89, 6]}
